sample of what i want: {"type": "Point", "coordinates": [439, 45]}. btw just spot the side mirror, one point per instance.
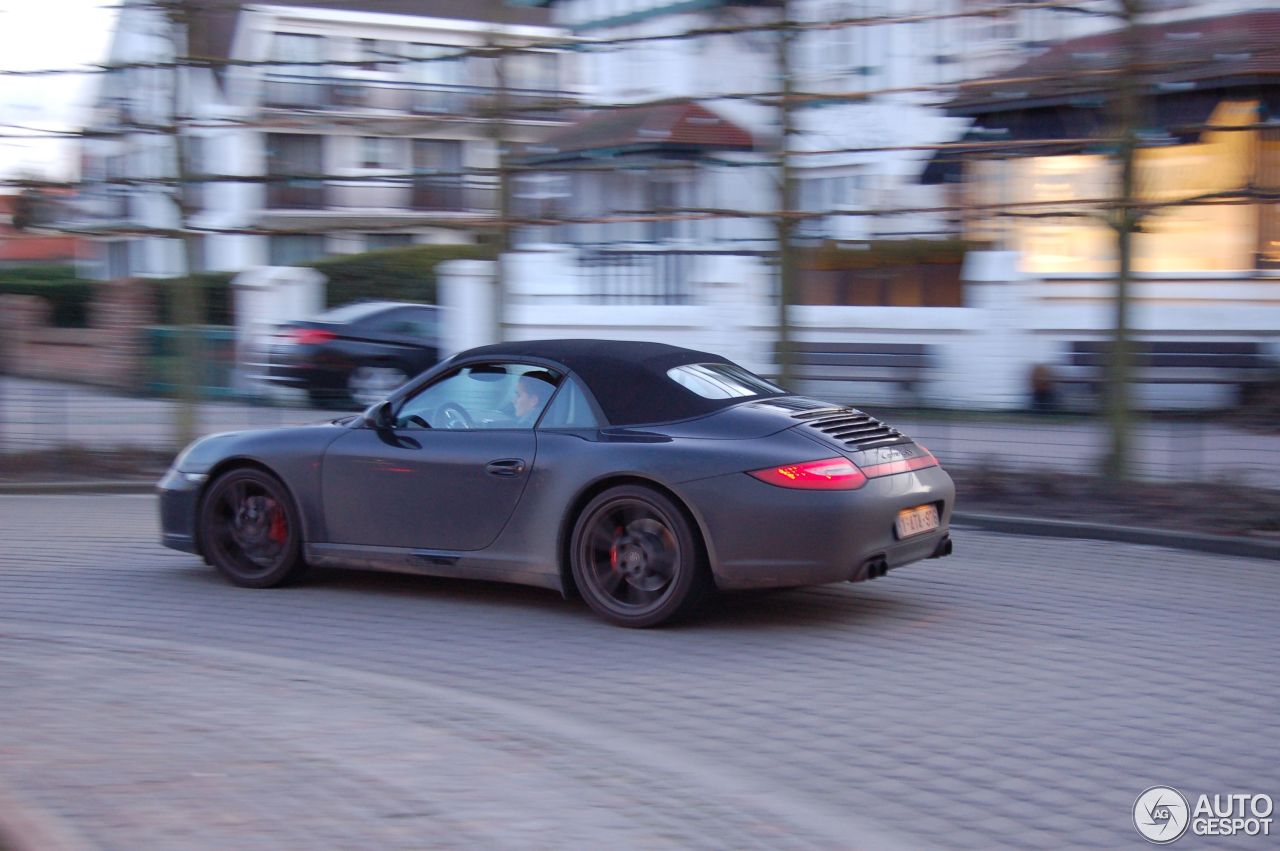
{"type": "Point", "coordinates": [380, 417]}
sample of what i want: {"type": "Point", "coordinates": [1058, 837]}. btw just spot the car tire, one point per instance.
{"type": "Point", "coordinates": [250, 531]}
{"type": "Point", "coordinates": [371, 382]}
{"type": "Point", "coordinates": [635, 558]}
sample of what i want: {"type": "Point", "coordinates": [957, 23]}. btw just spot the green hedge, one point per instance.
{"type": "Point", "coordinates": [397, 274]}
{"type": "Point", "coordinates": [68, 295]}
{"type": "Point", "coordinates": [215, 296]}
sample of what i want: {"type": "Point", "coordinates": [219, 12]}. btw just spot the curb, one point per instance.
{"type": "Point", "coordinates": [95, 486]}
{"type": "Point", "coordinates": [1217, 544]}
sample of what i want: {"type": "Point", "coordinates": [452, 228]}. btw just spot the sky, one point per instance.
{"type": "Point", "coordinates": [39, 34]}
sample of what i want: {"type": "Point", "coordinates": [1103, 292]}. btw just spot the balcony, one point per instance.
{"type": "Point", "coordinates": [438, 195]}
{"type": "Point", "coordinates": [295, 195]}
{"type": "Point", "coordinates": [400, 97]}
{"type": "Point", "coordinates": [417, 195]}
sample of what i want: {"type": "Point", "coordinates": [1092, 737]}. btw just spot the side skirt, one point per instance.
{"type": "Point", "coordinates": [452, 565]}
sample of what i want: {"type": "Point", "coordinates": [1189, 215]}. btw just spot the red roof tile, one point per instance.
{"type": "Point", "coordinates": [1199, 53]}
{"type": "Point", "coordinates": [678, 126]}
{"type": "Point", "coordinates": [37, 249]}
{"type": "Point", "coordinates": [26, 247]}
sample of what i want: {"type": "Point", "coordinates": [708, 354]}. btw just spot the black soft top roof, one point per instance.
{"type": "Point", "coordinates": [628, 379]}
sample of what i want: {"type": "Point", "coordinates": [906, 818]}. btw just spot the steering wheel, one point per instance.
{"type": "Point", "coordinates": [454, 416]}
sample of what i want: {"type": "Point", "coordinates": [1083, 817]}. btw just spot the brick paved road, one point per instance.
{"type": "Point", "coordinates": [1019, 694]}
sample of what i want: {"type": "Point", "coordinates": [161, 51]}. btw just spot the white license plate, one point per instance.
{"type": "Point", "coordinates": [916, 521]}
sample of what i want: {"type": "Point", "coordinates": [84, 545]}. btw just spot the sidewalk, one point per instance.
{"type": "Point", "coordinates": [42, 414]}
{"type": "Point", "coordinates": [37, 415]}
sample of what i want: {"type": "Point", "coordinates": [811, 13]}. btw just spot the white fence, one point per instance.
{"type": "Point", "coordinates": [980, 355]}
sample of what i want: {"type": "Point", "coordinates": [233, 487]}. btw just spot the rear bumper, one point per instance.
{"type": "Point", "coordinates": [301, 376]}
{"type": "Point", "coordinates": [302, 368]}
{"type": "Point", "coordinates": [761, 536]}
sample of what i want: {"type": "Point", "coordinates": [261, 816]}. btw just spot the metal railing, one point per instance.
{"type": "Point", "coordinates": [645, 276]}
{"type": "Point", "coordinates": [342, 95]}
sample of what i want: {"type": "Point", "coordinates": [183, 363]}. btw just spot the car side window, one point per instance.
{"type": "Point", "coordinates": [409, 322]}
{"type": "Point", "coordinates": [569, 409]}
{"type": "Point", "coordinates": [481, 396]}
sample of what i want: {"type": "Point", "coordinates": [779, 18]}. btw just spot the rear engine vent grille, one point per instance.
{"type": "Point", "coordinates": [852, 428]}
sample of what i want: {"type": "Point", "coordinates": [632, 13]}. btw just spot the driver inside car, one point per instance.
{"type": "Point", "coordinates": [533, 390]}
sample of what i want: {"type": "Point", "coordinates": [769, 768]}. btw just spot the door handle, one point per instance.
{"type": "Point", "coordinates": [507, 467]}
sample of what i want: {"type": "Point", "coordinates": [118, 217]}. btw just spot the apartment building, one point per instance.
{"type": "Point", "coordinates": [306, 128]}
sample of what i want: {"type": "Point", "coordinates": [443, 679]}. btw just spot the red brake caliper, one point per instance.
{"type": "Point", "coordinates": [278, 531]}
{"type": "Point", "coordinates": [613, 550]}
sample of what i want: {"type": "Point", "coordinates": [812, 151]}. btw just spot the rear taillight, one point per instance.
{"type": "Point", "coordinates": [309, 336]}
{"type": "Point", "coordinates": [829, 474]}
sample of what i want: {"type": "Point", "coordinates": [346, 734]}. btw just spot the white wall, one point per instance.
{"type": "Point", "coordinates": [982, 353]}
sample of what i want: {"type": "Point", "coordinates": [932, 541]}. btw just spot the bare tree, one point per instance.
{"type": "Point", "coordinates": [787, 194]}
{"type": "Point", "coordinates": [188, 300]}
{"type": "Point", "coordinates": [1124, 219]}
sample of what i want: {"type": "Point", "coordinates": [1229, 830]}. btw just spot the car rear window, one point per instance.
{"type": "Point", "coordinates": [353, 312]}
{"type": "Point", "coordinates": [720, 381]}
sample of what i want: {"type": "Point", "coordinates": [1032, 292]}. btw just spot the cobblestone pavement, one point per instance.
{"type": "Point", "coordinates": [1019, 694]}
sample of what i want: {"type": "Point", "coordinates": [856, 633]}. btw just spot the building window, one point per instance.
{"type": "Point", "coordinates": [295, 249]}
{"type": "Point", "coordinates": [300, 49]}
{"type": "Point", "coordinates": [544, 195]}
{"type": "Point", "coordinates": [532, 71]}
{"type": "Point", "coordinates": [379, 152]}
{"type": "Point", "coordinates": [296, 61]}
{"type": "Point", "coordinates": [294, 164]}
{"type": "Point", "coordinates": [196, 253]}
{"type": "Point", "coordinates": [379, 55]}
{"type": "Point", "coordinates": [438, 182]}
{"type": "Point", "coordinates": [439, 78]}
{"type": "Point", "coordinates": [193, 190]}
{"type": "Point", "coordinates": [117, 260]}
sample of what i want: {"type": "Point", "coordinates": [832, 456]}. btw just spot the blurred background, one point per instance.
{"type": "Point", "coordinates": [1044, 236]}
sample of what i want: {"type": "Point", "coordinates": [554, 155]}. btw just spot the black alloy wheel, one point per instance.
{"type": "Point", "coordinates": [250, 531]}
{"type": "Point", "coordinates": [635, 559]}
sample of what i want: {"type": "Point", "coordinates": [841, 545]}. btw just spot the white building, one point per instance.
{"type": "Point", "coordinates": [875, 107]}
{"type": "Point", "coordinates": [881, 85]}
{"type": "Point", "coordinates": [860, 154]}
{"type": "Point", "coordinates": [310, 127]}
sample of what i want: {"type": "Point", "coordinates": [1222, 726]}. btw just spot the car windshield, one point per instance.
{"type": "Point", "coordinates": [720, 381]}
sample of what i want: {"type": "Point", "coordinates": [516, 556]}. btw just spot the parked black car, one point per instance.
{"type": "Point", "coordinates": [353, 355]}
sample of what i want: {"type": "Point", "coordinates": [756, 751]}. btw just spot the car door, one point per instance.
{"type": "Point", "coordinates": [446, 476]}
{"type": "Point", "coordinates": [395, 335]}
{"type": "Point", "coordinates": [415, 331]}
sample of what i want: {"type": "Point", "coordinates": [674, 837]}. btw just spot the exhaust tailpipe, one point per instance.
{"type": "Point", "coordinates": [875, 566]}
